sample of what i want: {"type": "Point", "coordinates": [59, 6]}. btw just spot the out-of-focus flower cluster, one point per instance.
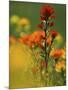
{"type": "Point", "coordinates": [38, 38]}
{"type": "Point", "coordinates": [19, 21]}
{"type": "Point", "coordinates": [35, 38]}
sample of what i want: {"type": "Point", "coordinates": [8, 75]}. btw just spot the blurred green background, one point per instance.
{"type": "Point", "coordinates": [31, 11]}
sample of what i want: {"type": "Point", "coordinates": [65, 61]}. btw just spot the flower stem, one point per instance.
{"type": "Point", "coordinates": [46, 57]}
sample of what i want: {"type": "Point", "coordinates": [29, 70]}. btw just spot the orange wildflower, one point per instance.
{"type": "Point", "coordinates": [34, 38]}
{"type": "Point", "coordinates": [60, 66]}
{"type": "Point", "coordinates": [26, 40]}
{"type": "Point", "coordinates": [57, 53]}
{"type": "Point", "coordinates": [39, 33]}
{"type": "Point", "coordinates": [37, 36]}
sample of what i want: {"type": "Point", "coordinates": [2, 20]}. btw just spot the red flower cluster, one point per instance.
{"type": "Point", "coordinates": [46, 12]}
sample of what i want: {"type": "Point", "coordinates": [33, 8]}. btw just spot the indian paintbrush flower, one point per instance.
{"type": "Point", "coordinates": [46, 12]}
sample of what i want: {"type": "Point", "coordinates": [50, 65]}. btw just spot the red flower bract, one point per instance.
{"type": "Point", "coordinates": [53, 17]}
{"type": "Point", "coordinates": [46, 12]}
{"type": "Point", "coordinates": [53, 33]}
{"type": "Point", "coordinates": [51, 24]}
{"type": "Point", "coordinates": [42, 18]}
{"type": "Point", "coordinates": [40, 26]}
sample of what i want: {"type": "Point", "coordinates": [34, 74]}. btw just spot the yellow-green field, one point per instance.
{"type": "Point", "coordinates": [21, 62]}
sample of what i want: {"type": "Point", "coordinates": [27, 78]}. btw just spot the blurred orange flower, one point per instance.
{"type": "Point", "coordinates": [64, 53]}
{"type": "Point", "coordinates": [34, 38]}
{"type": "Point", "coordinates": [60, 66]}
{"type": "Point", "coordinates": [57, 53]}
{"type": "Point", "coordinates": [26, 40]}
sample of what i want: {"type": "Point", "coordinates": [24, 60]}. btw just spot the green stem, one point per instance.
{"type": "Point", "coordinates": [46, 60]}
